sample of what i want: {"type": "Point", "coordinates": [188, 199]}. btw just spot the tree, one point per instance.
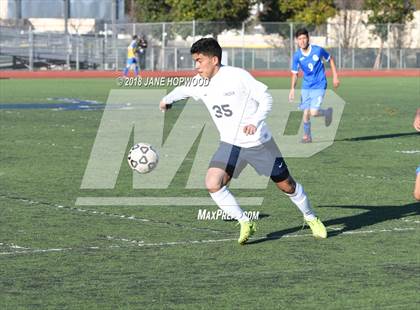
{"type": "Point", "coordinates": [348, 20]}
{"type": "Point", "coordinates": [147, 11]}
{"type": "Point", "coordinates": [225, 13]}
{"type": "Point", "coordinates": [384, 12]}
{"type": "Point", "coordinates": [272, 13]}
{"type": "Point", "coordinates": [346, 29]}
{"type": "Point", "coordinates": [312, 13]}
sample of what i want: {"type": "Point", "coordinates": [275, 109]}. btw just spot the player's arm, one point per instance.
{"type": "Point", "coordinates": [179, 93]}
{"type": "Point", "coordinates": [293, 82]}
{"type": "Point", "coordinates": [416, 123]}
{"type": "Point", "coordinates": [336, 81]}
{"type": "Point", "coordinates": [294, 77]}
{"type": "Point", "coordinates": [265, 102]}
{"type": "Point", "coordinates": [258, 92]}
{"type": "Point", "coordinates": [330, 59]}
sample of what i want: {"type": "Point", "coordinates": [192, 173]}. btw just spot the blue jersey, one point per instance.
{"type": "Point", "coordinates": [312, 66]}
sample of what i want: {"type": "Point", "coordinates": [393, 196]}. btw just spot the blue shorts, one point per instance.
{"type": "Point", "coordinates": [418, 170]}
{"type": "Point", "coordinates": [131, 61]}
{"type": "Point", "coordinates": [311, 99]}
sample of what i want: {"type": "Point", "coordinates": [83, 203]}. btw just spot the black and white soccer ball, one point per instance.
{"type": "Point", "coordinates": [143, 158]}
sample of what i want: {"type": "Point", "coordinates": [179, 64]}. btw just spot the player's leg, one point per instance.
{"type": "Point", "coordinates": [298, 196]}
{"type": "Point", "coordinates": [127, 67]}
{"type": "Point", "coordinates": [417, 185]}
{"type": "Point", "coordinates": [125, 71]}
{"type": "Point", "coordinates": [221, 170]}
{"type": "Point", "coordinates": [307, 133]}
{"type": "Point", "coordinates": [136, 67]}
{"type": "Point", "coordinates": [306, 118]}
{"type": "Point", "coordinates": [216, 183]}
{"type": "Point", "coordinates": [317, 97]}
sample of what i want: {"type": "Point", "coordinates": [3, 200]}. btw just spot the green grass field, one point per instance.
{"type": "Point", "coordinates": [56, 255]}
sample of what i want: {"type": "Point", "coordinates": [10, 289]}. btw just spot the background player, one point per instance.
{"type": "Point", "coordinates": [131, 57]}
{"type": "Point", "coordinates": [416, 125]}
{"type": "Point", "coordinates": [309, 58]}
{"type": "Point", "coordinates": [238, 105]}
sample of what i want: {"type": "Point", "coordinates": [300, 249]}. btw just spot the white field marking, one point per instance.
{"type": "Point", "coordinates": [410, 221]}
{"type": "Point", "coordinates": [141, 243]}
{"type": "Point", "coordinates": [107, 214]}
{"type": "Point", "coordinates": [160, 201]}
{"type": "Point", "coordinates": [13, 246]}
{"type": "Point", "coordinates": [379, 178]}
{"type": "Point", "coordinates": [409, 152]}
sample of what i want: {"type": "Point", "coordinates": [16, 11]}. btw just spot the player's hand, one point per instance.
{"type": "Point", "coordinates": [292, 95]}
{"type": "Point", "coordinates": [416, 123]}
{"type": "Point", "coordinates": [163, 106]}
{"type": "Point", "coordinates": [336, 82]}
{"type": "Point", "coordinates": [250, 129]}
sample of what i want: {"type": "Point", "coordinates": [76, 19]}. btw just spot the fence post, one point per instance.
{"type": "Point", "coordinates": [77, 52]}
{"type": "Point", "coordinates": [69, 47]}
{"type": "Point", "coordinates": [352, 58]}
{"type": "Point", "coordinates": [176, 59]}
{"type": "Point", "coordinates": [104, 47]}
{"type": "Point", "coordinates": [233, 57]}
{"type": "Point", "coordinates": [291, 44]}
{"type": "Point", "coordinates": [339, 49]}
{"type": "Point", "coordinates": [243, 45]}
{"type": "Point", "coordinates": [193, 30]}
{"type": "Point", "coordinates": [388, 61]}
{"type": "Point", "coordinates": [163, 46]}
{"type": "Point", "coordinates": [193, 35]}
{"type": "Point", "coordinates": [31, 49]}
{"type": "Point", "coordinates": [152, 59]}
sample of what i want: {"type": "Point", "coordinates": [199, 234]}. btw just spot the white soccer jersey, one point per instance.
{"type": "Point", "coordinates": [234, 99]}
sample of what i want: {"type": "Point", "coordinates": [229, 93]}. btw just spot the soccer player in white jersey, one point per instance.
{"type": "Point", "coordinates": [238, 105]}
{"type": "Point", "coordinates": [309, 58]}
{"type": "Point", "coordinates": [416, 126]}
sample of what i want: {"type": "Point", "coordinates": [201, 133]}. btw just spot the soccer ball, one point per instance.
{"type": "Point", "coordinates": [143, 158]}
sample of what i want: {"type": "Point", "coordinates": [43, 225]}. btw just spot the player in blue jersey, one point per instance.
{"type": "Point", "coordinates": [309, 58]}
{"type": "Point", "coordinates": [416, 125]}
{"type": "Point", "coordinates": [131, 57]}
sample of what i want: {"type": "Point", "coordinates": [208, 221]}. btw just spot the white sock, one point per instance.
{"type": "Point", "coordinates": [301, 201]}
{"type": "Point", "coordinates": [227, 202]}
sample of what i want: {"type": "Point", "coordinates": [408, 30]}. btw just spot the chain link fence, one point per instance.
{"type": "Point", "coordinates": [265, 46]}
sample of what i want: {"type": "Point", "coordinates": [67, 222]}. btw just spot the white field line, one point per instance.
{"type": "Point", "coordinates": [160, 201]}
{"type": "Point", "coordinates": [141, 243]}
{"type": "Point", "coordinates": [378, 178]}
{"type": "Point", "coordinates": [409, 152]}
{"type": "Point", "coordinates": [410, 221]}
{"type": "Point", "coordinates": [108, 214]}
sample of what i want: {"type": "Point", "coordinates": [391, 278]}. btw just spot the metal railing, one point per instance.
{"type": "Point", "coordinates": [267, 46]}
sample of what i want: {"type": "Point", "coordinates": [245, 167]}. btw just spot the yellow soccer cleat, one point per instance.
{"type": "Point", "coordinates": [248, 228]}
{"type": "Point", "coordinates": [318, 229]}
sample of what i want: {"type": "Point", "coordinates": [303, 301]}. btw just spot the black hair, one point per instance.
{"type": "Point", "coordinates": [302, 31]}
{"type": "Point", "coordinates": [207, 46]}
{"type": "Point", "coordinates": [135, 37]}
